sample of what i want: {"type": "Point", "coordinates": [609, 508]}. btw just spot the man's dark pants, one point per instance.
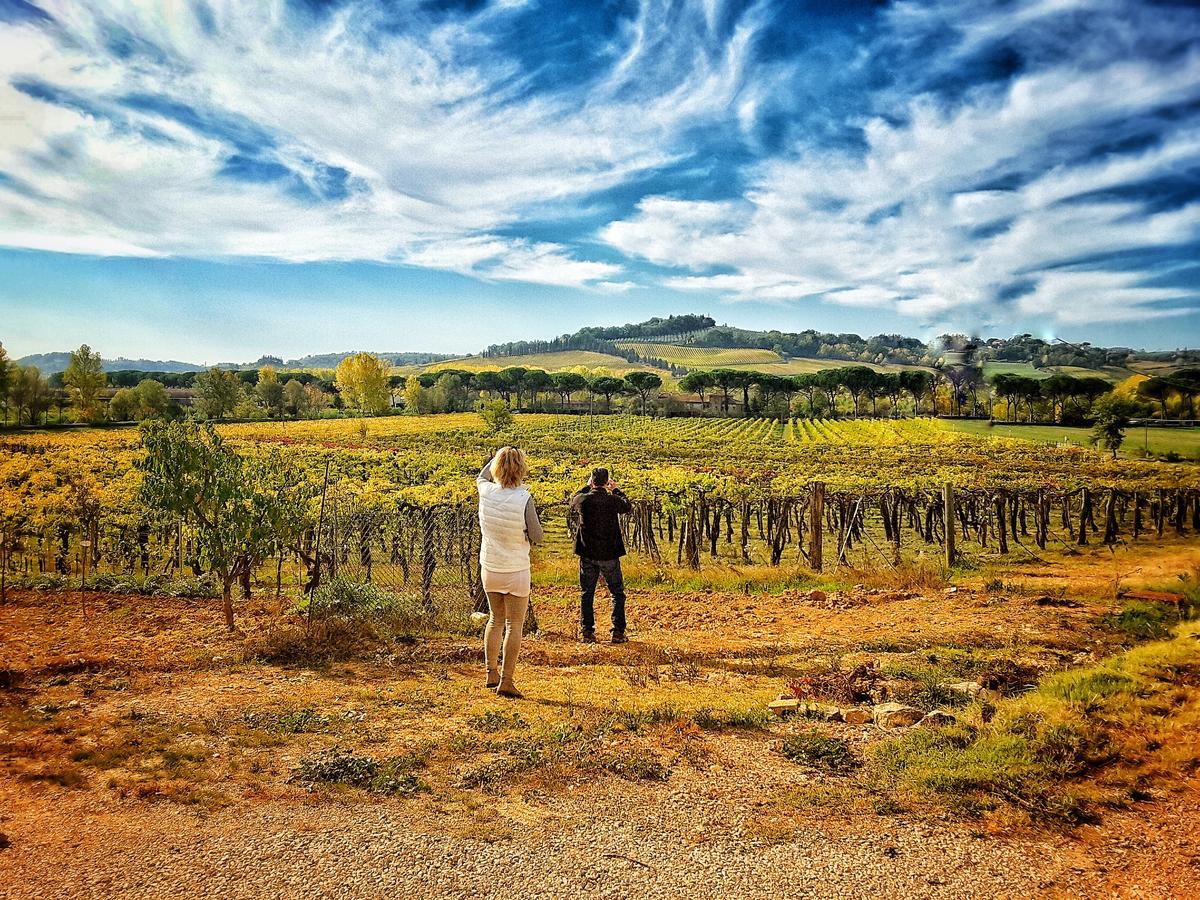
{"type": "Point", "coordinates": [590, 571]}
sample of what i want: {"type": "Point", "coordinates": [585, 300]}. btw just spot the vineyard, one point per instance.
{"type": "Point", "coordinates": [702, 357]}
{"type": "Point", "coordinates": [550, 362]}
{"type": "Point", "coordinates": [392, 499]}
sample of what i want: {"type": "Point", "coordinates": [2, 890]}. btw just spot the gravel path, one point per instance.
{"type": "Point", "coordinates": [608, 841]}
{"type": "Point", "coordinates": [597, 846]}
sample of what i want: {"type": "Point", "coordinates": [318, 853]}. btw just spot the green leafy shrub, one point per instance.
{"type": "Point", "coordinates": [496, 720]}
{"type": "Point", "coordinates": [204, 586]}
{"type": "Point", "coordinates": [357, 602]}
{"type": "Point", "coordinates": [345, 599]}
{"type": "Point", "coordinates": [717, 719]}
{"type": "Point", "coordinates": [288, 721]}
{"type": "Point", "coordinates": [811, 748]}
{"type": "Point", "coordinates": [496, 415]}
{"type": "Point", "coordinates": [639, 765]}
{"type": "Point", "coordinates": [489, 776]}
{"type": "Point", "coordinates": [339, 766]}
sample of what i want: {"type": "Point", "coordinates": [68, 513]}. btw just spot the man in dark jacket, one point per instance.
{"type": "Point", "coordinates": [600, 546]}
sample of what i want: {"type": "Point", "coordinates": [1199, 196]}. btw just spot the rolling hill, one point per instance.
{"type": "Point", "coordinates": [50, 363]}
{"type": "Point", "coordinates": [551, 362]}
{"type": "Point", "coordinates": [1108, 373]}
{"type": "Point", "coordinates": [674, 344]}
{"type": "Point", "coordinates": [702, 357]}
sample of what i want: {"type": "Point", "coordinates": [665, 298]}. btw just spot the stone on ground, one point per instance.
{"type": "Point", "coordinates": [896, 715]}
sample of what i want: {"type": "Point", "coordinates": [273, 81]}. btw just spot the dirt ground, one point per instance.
{"type": "Point", "coordinates": [144, 752]}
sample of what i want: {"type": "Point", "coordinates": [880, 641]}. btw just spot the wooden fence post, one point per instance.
{"type": "Point", "coordinates": [948, 515]}
{"type": "Point", "coordinates": [816, 522]}
{"type": "Point", "coordinates": [3, 567]}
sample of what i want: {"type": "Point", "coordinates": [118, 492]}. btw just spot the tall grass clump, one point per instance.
{"type": "Point", "coordinates": [1144, 621]}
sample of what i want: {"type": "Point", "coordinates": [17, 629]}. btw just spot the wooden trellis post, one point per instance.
{"type": "Point", "coordinates": [948, 516]}
{"type": "Point", "coordinates": [816, 521]}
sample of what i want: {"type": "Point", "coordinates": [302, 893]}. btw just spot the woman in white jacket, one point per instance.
{"type": "Point", "coordinates": [509, 523]}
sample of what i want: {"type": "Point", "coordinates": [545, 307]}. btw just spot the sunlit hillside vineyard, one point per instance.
{"type": "Point", "coordinates": [432, 460]}
{"type": "Point", "coordinates": [549, 362]}
{"type": "Point", "coordinates": [702, 357]}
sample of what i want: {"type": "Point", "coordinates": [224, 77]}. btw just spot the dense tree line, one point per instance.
{"type": "Point", "coordinates": [817, 394]}
{"type": "Point", "coordinates": [1176, 392]}
{"type": "Point", "coordinates": [458, 390]}
{"type": "Point", "coordinates": [860, 390]}
{"type": "Point", "coordinates": [1042, 354]}
{"type": "Point", "coordinates": [363, 384]}
{"type": "Point", "coordinates": [657, 327]}
{"type": "Point", "coordinates": [84, 393]}
{"type": "Point", "coordinates": [849, 390]}
{"type": "Point", "coordinates": [25, 395]}
{"type": "Point", "coordinates": [811, 344]}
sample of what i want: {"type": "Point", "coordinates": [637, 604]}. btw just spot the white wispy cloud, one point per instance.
{"type": "Point", "coordinates": [956, 204]}
{"type": "Point", "coordinates": [433, 133]}
{"type": "Point", "coordinates": [957, 190]}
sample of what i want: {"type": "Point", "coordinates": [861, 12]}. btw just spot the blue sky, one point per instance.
{"type": "Point", "coordinates": [210, 180]}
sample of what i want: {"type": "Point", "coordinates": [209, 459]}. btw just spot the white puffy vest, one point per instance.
{"type": "Point", "coordinates": [502, 521]}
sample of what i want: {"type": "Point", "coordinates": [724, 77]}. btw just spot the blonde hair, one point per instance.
{"type": "Point", "coordinates": [509, 467]}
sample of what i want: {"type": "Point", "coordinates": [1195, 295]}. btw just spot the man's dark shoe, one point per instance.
{"type": "Point", "coordinates": [588, 637]}
{"type": "Point", "coordinates": [619, 638]}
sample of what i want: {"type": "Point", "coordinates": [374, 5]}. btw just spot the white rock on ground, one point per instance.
{"type": "Point", "coordinates": [896, 715]}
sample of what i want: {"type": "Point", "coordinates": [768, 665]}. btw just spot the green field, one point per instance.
{"type": "Point", "coordinates": [1157, 441]}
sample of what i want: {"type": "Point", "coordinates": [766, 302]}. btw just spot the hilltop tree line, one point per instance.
{"type": "Point", "coordinates": [600, 339]}
{"type": "Point", "coordinates": [811, 344]}
{"type": "Point", "coordinates": [571, 342]}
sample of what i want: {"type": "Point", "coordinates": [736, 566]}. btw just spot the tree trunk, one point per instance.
{"type": "Point", "coordinates": [227, 599]}
{"type": "Point", "coordinates": [1110, 518]}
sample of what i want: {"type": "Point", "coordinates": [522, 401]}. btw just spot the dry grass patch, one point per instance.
{"type": "Point", "coordinates": [1082, 740]}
